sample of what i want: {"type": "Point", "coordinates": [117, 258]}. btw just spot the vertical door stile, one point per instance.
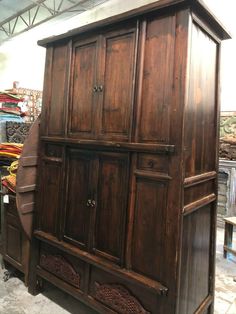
{"type": "Point", "coordinates": [65, 196]}
{"type": "Point", "coordinates": [100, 82]}
{"type": "Point", "coordinates": [46, 92]}
{"type": "Point", "coordinates": [130, 213]}
{"type": "Point", "coordinates": [63, 191]}
{"type": "Point", "coordinates": [140, 66]}
{"type": "Point", "coordinates": [134, 86]}
{"type": "Point", "coordinates": [70, 90]}
{"type": "Point", "coordinates": [68, 87]}
{"type": "Point", "coordinates": [94, 170]}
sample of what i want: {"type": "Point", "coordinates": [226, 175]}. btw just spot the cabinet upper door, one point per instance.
{"type": "Point", "coordinates": [116, 74]}
{"type": "Point", "coordinates": [82, 107]}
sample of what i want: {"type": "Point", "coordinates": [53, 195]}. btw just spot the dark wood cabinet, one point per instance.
{"type": "Point", "coordinates": [15, 244]}
{"type": "Point", "coordinates": [125, 208]}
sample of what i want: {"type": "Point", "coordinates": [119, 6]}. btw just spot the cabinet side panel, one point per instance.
{"type": "Point", "coordinates": [50, 196]}
{"type": "Point", "coordinates": [46, 91]}
{"type": "Point", "coordinates": [157, 80]}
{"type": "Point", "coordinates": [196, 246]}
{"type": "Point", "coordinates": [56, 120]}
{"type": "Point", "coordinates": [200, 113]}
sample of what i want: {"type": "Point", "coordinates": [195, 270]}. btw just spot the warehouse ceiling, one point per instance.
{"type": "Point", "coordinates": [17, 16]}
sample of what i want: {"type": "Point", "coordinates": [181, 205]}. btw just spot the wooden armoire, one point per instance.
{"type": "Point", "coordinates": [127, 176]}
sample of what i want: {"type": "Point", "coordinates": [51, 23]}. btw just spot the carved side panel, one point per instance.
{"type": "Point", "coordinates": [118, 298]}
{"type": "Point", "coordinates": [228, 124]}
{"type": "Point", "coordinates": [61, 268]}
{"type": "Point", "coordinates": [227, 149]}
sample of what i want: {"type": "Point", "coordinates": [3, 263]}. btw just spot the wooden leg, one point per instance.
{"type": "Point", "coordinates": [228, 237]}
{"type": "Point", "coordinates": [35, 284]}
{"type": "Point", "coordinates": [211, 309]}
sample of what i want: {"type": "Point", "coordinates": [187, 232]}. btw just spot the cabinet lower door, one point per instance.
{"type": "Point", "coordinates": [96, 202]}
{"type": "Point", "coordinates": [77, 211]}
{"type": "Point", "coordinates": [110, 214]}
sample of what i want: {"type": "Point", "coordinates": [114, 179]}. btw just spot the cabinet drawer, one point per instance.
{"type": "Point", "coordinates": [151, 162]}
{"type": "Point", "coordinates": [62, 265]}
{"type": "Point", "coordinates": [13, 239]}
{"type": "Point", "coordinates": [52, 150]}
{"type": "Point", "coordinates": [11, 206]}
{"type": "Point", "coordinates": [122, 296]}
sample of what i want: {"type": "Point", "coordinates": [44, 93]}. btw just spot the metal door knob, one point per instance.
{"type": "Point", "coordinates": [95, 89]}
{"type": "Point", "coordinates": [89, 203]}
{"type": "Point", "coordinates": [100, 88]}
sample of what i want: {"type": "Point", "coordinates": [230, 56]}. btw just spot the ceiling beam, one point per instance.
{"type": "Point", "coordinates": [39, 12]}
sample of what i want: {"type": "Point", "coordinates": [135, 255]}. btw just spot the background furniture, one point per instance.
{"type": "Point", "coordinates": [126, 204]}
{"type": "Point", "coordinates": [32, 101]}
{"type": "Point", "coordinates": [227, 168]}
{"type": "Point", "coordinates": [15, 244]}
{"type": "Point", "coordinates": [230, 223]}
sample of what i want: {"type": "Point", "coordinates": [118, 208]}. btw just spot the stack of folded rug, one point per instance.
{"type": "Point", "coordinates": [9, 109]}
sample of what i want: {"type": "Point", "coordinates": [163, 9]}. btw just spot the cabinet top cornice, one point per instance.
{"type": "Point", "coordinates": [197, 6]}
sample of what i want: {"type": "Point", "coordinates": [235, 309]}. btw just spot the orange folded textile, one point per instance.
{"type": "Point", "coordinates": [10, 150]}
{"type": "Point", "coordinates": [9, 182]}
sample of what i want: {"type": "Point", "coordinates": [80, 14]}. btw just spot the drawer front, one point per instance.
{"type": "Point", "coordinates": [52, 150]}
{"type": "Point", "coordinates": [11, 206]}
{"type": "Point", "coordinates": [13, 238]}
{"type": "Point", "coordinates": [151, 162]}
{"type": "Point", "coordinates": [122, 296]}
{"type": "Point", "coordinates": [62, 265]}
{"type": "Point", "coordinates": [12, 232]}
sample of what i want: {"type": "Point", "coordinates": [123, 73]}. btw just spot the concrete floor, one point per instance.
{"type": "Point", "coordinates": [14, 298]}
{"type": "Point", "coordinates": [225, 286]}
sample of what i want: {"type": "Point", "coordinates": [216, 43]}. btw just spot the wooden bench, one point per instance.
{"type": "Point", "coordinates": [230, 222]}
